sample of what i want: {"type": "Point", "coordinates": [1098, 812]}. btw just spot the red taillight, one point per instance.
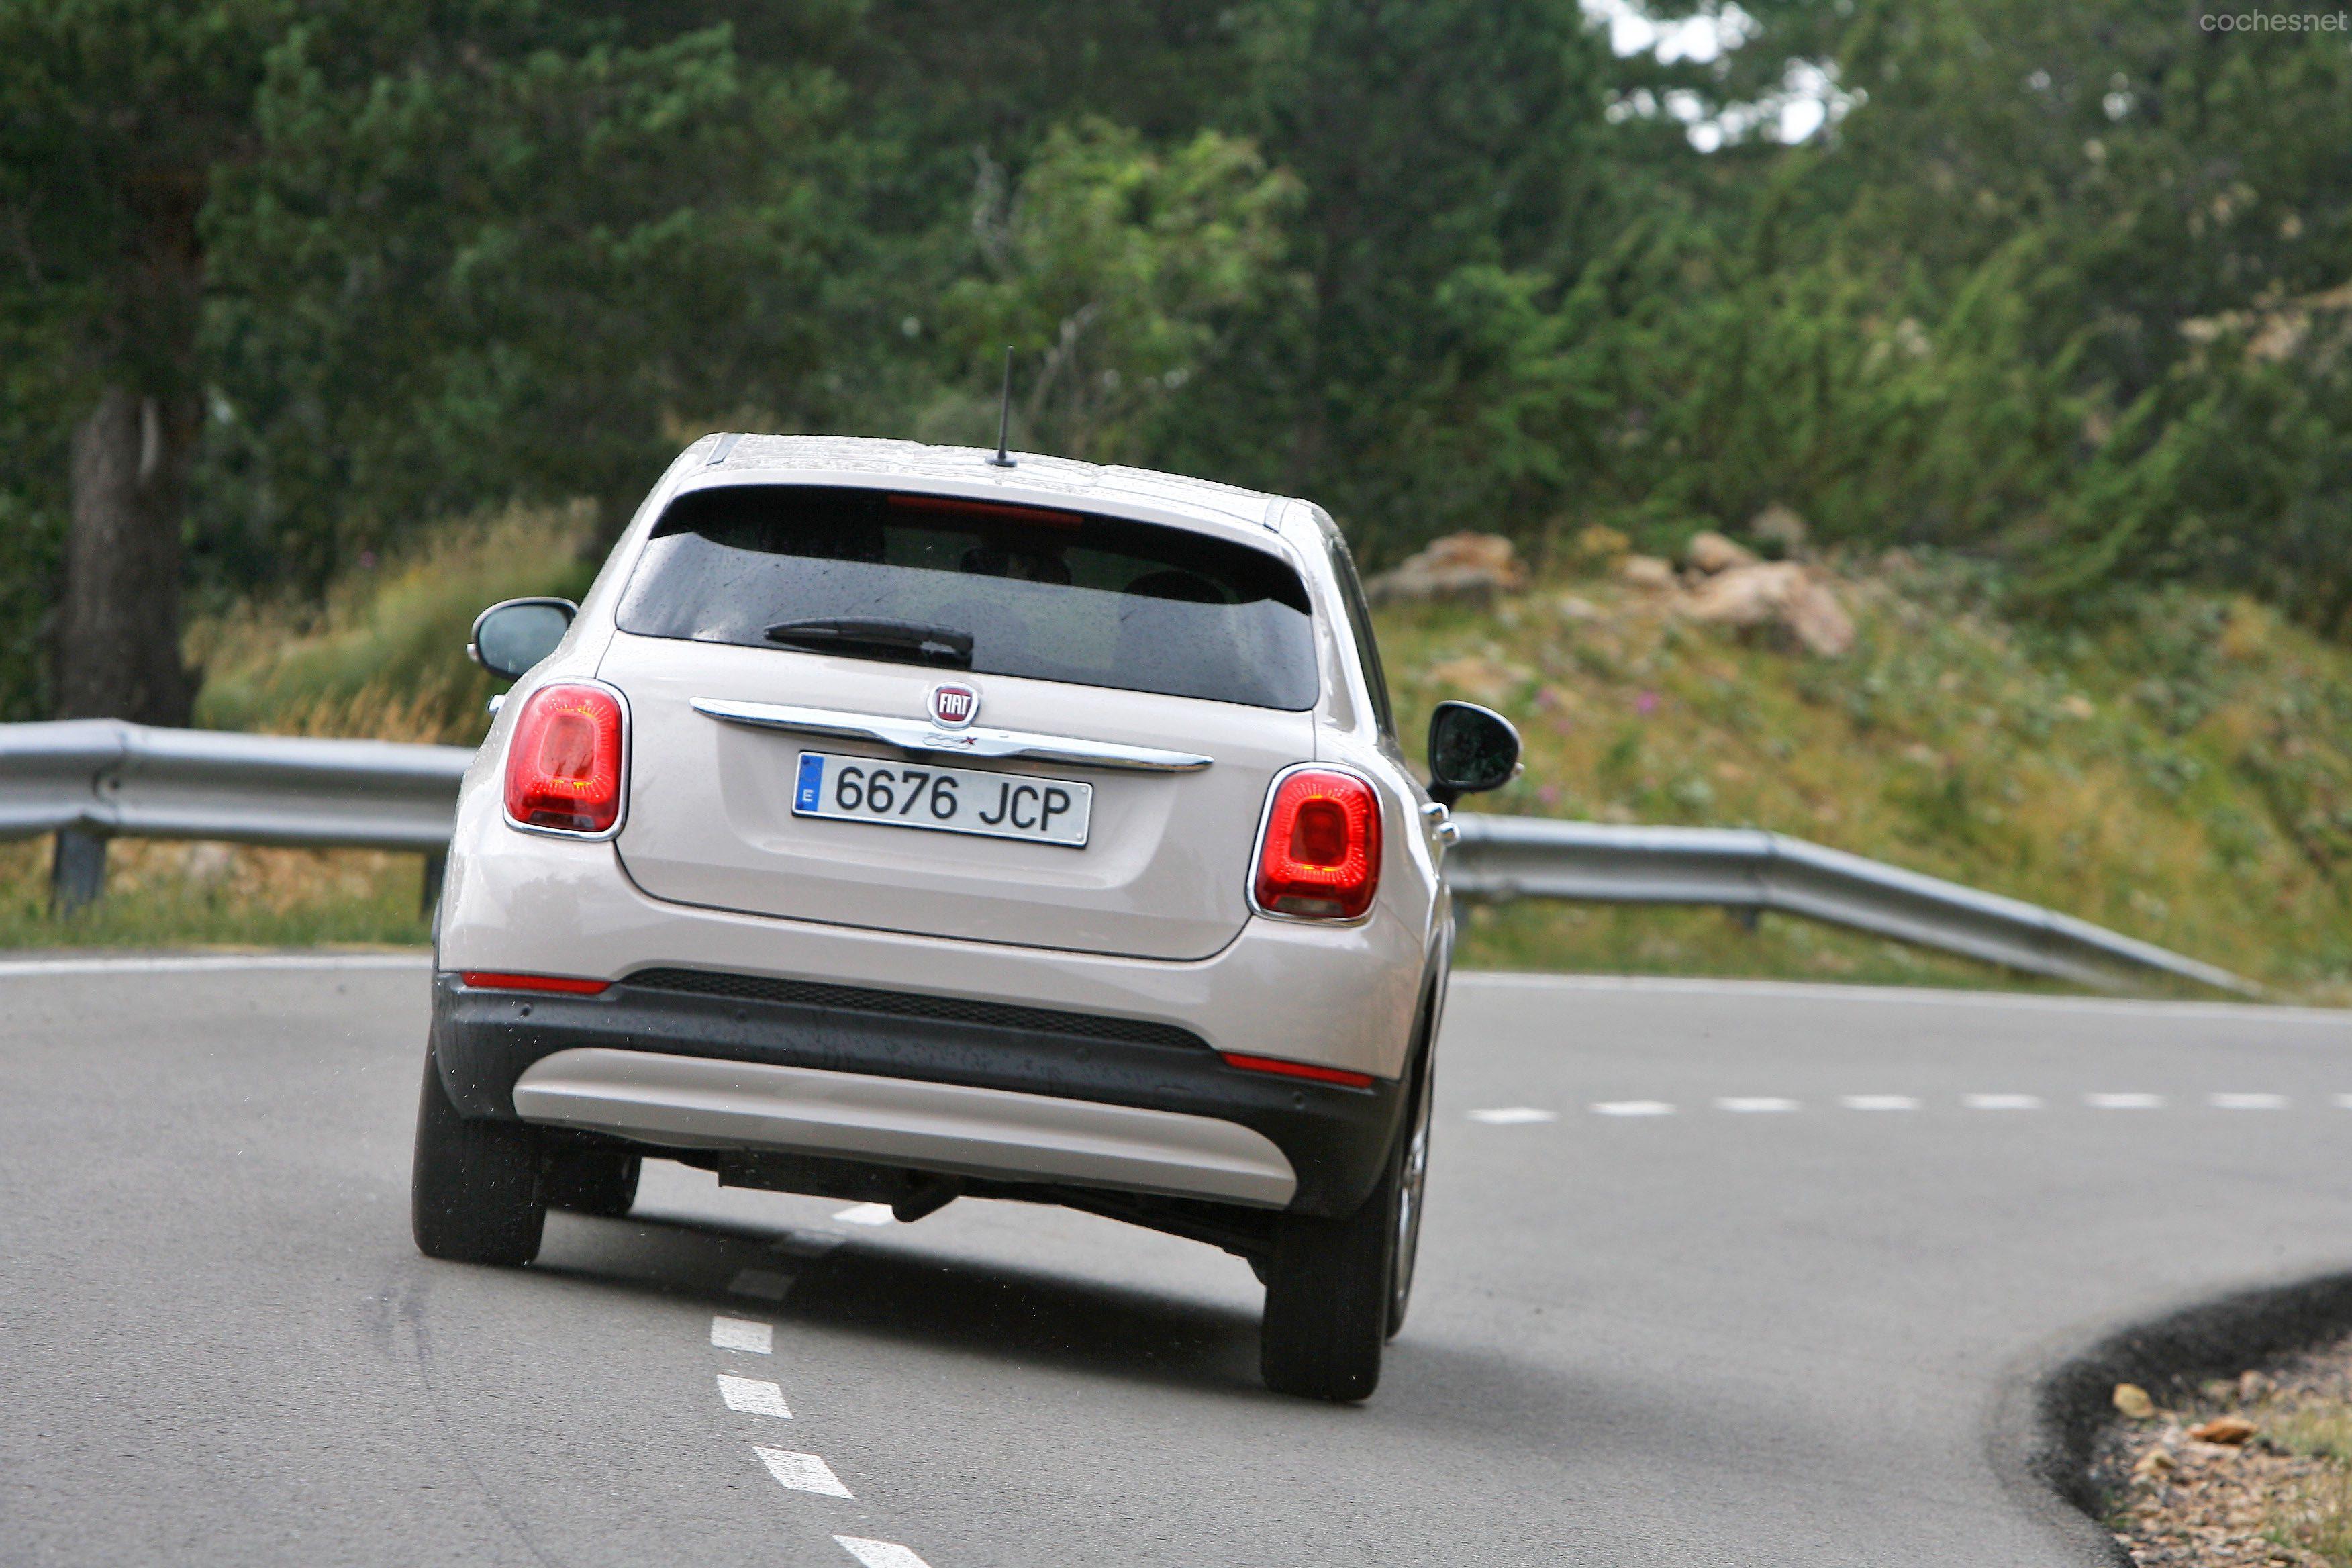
{"type": "Point", "coordinates": [1320, 858]}
{"type": "Point", "coordinates": [497, 980]}
{"type": "Point", "coordinates": [563, 765]}
{"type": "Point", "coordinates": [1280, 1068]}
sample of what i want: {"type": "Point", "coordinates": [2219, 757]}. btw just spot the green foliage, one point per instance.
{"type": "Point", "coordinates": [537, 263]}
{"type": "Point", "coordinates": [1126, 263]}
{"type": "Point", "coordinates": [2067, 288]}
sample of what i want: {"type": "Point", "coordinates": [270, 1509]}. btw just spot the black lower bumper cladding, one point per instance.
{"type": "Point", "coordinates": [1335, 1136]}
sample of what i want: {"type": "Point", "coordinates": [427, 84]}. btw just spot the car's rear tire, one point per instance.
{"type": "Point", "coordinates": [592, 1181]}
{"type": "Point", "coordinates": [1413, 1181]}
{"type": "Point", "coordinates": [476, 1195]}
{"type": "Point", "coordinates": [1330, 1290]}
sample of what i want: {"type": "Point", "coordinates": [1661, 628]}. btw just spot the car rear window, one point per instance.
{"type": "Point", "coordinates": [997, 589]}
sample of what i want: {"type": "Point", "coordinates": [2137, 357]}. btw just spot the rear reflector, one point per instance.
{"type": "Point", "coordinates": [1298, 1069]}
{"type": "Point", "coordinates": [1320, 857]}
{"type": "Point", "coordinates": [564, 762]}
{"type": "Point", "coordinates": [493, 980]}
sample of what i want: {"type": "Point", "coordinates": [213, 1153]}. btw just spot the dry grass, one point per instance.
{"type": "Point", "coordinates": [384, 655]}
{"type": "Point", "coordinates": [176, 895]}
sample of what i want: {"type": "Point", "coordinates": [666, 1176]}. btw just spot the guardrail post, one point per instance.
{"type": "Point", "coordinates": [77, 870]}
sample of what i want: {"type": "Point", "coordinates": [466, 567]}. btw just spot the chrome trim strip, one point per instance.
{"type": "Point", "coordinates": [922, 735]}
{"type": "Point", "coordinates": [694, 1102]}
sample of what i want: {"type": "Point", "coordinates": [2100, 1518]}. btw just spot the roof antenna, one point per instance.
{"type": "Point", "coordinates": [1004, 459]}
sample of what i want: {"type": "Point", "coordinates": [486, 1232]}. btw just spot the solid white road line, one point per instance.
{"type": "Point", "coordinates": [2123, 1101]}
{"type": "Point", "coordinates": [867, 1213]}
{"type": "Point", "coordinates": [1632, 1108]}
{"type": "Point", "coordinates": [2002, 1101]}
{"type": "Point", "coordinates": [1757, 1103]}
{"type": "Point", "coordinates": [742, 1334]}
{"type": "Point", "coordinates": [1513, 1115]}
{"type": "Point", "coordinates": [1878, 1103]}
{"type": "Point", "coordinates": [801, 1472]}
{"type": "Point", "coordinates": [753, 1396]}
{"type": "Point", "coordinates": [2344, 1102]}
{"type": "Point", "coordinates": [2247, 1101]}
{"type": "Point", "coordinates": [761, 1284]}
{"type": "Point", "coordinates": [214, 962]}
{"type": "Point", "coordinates": [879, 1553]}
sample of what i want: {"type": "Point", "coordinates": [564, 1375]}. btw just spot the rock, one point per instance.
{"type": "Point", "coordinates": [1779, 530]}
{"type": "Point", "coordinates": [1781, 592]}
{"type": "Point", "coordinates": [1710, 553]}
{"type": "Point", "coordinates": [2075, 705]}
{"type": "Point", "coordinates": [1461, 568]}
{"type": "Point", "coordinates": [1575, 607]}
{"type": "Point", "coordinates": [2228, 1429]}
{"type": "Point", "coordinates": [1647, 573]}
{"type": "Point", "coordinates": [2156, 1461]}
{"type": "Point", "coordinates": [2253, 1386]}
{"type": "Point", "coordinates": [2133, 1401]}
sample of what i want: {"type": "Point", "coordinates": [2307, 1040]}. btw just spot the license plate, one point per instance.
{"type": "Point", "coordinates": [946, 800]}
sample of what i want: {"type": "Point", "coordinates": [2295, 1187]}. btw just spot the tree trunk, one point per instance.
{"type": "Point", "coordinates": [119, 637]}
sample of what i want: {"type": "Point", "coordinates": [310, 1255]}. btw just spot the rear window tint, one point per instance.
{"type": "Point", "coordinates": [1053, 595]}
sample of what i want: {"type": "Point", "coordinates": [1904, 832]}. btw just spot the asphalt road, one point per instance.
{"type": "Point", "coordinates": [1662, 1332]}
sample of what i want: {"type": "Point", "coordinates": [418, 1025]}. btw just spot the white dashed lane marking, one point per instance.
{"type": "Point", "coordinates": [753, 1396]}
{"type": "Point", "coordinates": [2249, 1101]}
{"type": "Point", "coordinates": [1513, 1115]}
{"type": "Point", "coordinates": [808, 1243]}
{"type": "Point", "coordinates": [879, 1553]}
{"type": "Point", "coordinates": [1878, 1103]}
{"type": "Point", "coordinates": [1756, 1103]}
{"type": "Point", "coordinates": [1633, 1107]}
{"type": "Point", "coordinates": [867, 1213]}
{"type": "Point", "coordinates": [761, 1284]}
{"type": "Point", "coordinates": [801, 1472]}
{"type": "Point", "coordinates": [742, 1334]}
{"type": "Point", "coordinates": [2123, 1101]}
{"type": "Point", "coordinates": [2002, 1101]}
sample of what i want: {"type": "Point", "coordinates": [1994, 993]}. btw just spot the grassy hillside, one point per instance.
{"type": "Point", "coordinates": [2183, 774]}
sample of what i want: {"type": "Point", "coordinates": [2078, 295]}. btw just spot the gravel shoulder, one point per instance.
{"type": "Point", "coordinates": [2254, 1470]}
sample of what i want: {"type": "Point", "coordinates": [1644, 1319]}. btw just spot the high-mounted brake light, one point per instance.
{"type": "Point", "coordinates": [499, 980]}
{"type": "Point", "coordinates": [1319, 857]}
{"type": "Point", "coordinates": [566, 763]}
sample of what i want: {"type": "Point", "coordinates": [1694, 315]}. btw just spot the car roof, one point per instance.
{"type": "Point", "coordinates": [967, 471]}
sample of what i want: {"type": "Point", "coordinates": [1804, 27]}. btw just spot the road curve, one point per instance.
{"type": "Point", "coordinates": [1758, 1307]}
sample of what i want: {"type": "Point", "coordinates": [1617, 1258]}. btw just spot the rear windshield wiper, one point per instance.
{"type": "Point", "coordinates": [920, 640]}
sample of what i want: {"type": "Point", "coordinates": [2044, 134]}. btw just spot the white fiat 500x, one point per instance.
{"type": "Point", "coordinates": [896, 823]}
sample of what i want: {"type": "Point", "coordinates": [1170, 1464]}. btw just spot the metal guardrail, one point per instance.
{"type": "Point", "coordinates": [89, 780]}
{"type": "Point", "coordinates": [92, 779]}
{"type": "Point", "coordinates": [1748, 869]}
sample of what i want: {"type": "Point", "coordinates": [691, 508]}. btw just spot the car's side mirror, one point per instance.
{"type": "Point", "coordinates": [508, 638]}
{"type": "Point", "coordinates": [1470, 749]}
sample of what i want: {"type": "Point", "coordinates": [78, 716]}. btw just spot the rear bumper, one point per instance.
{"type": "Point", "coordinates": [696, 1102]}
{"type": "Point", "coordinates": [875, 1077]}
